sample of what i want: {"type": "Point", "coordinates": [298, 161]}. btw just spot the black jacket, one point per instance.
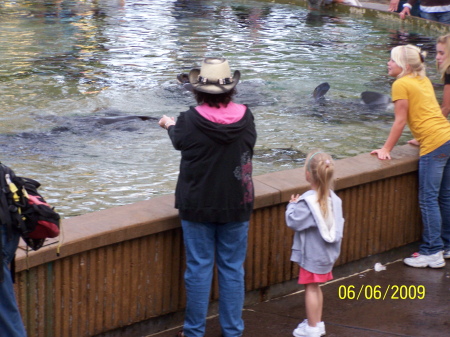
{"type": "Point", "coordinates": [215, 180]}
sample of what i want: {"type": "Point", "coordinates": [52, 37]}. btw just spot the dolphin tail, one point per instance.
{"type": "Point", "coordinates": [321, 90]}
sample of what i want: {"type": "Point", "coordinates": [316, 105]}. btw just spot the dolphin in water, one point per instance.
{"type": "Point", "coordinates": [371, 99]}
{"type": "Point", "coordinates": [106, 120]}
{"type": "Point", "coordinates": [183, 79]}
{"type": "Point", "coordinates": [251, 92]}
{"type": "Point", "coordinates": [370, 107]}
{"type": "Point", "coordinates": [102, 119]}
{"type": "Point", "coordinates": [111, 116]}
{"type": "Point", "coordinates": [374, 99]}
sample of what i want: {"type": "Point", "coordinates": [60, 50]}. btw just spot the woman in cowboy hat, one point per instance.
{"type": "Point", "coordinates": [214, 194]}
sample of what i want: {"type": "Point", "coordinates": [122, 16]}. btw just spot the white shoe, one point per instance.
{"type": "Point", "coordinates": [303, 329]}
{"type": "Point", "coordinates": [422, 261]}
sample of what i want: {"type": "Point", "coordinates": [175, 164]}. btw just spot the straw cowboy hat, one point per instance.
{"type": "Point", "coordinates": [214, 77]}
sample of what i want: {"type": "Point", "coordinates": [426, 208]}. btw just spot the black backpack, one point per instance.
{"type": "Point", "coordinates": [23, 209]}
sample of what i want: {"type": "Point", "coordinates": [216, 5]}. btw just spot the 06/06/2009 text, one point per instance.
{"type": "Point", "coordinates": [393, 292]}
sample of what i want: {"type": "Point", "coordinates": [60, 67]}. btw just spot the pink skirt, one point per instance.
{"type": "Point", "coordinates": [306, 277]}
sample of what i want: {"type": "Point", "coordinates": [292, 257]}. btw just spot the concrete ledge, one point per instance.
{"type": "Point", "coordinates": [106, 227]}
{"type": "Point", "coordinates": [372, 10]}
{"type": "Point", "coordinates": [358, 170]}
{"type": "Point", "coordinates": [118, 224]}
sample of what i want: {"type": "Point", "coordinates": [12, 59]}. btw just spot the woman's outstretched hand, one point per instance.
{"type": "Point", "coordinates": [382, 153]}
{"type": "Point", "coordinates": [166, 121]}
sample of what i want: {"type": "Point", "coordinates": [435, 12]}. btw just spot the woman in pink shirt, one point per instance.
{"type": "Point", "coordinates": [214, 194]}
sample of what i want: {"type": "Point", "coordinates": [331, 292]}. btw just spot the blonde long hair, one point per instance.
{"type": "Point", "coordinates": [411, 59]}
{"type": "Point", "coordinates": [320, 166]}
{"type": "Point", "coordinates": [445, 67]}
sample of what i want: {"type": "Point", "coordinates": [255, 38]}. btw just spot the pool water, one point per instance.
{"type": "Point", "coordinates": [66, 63]}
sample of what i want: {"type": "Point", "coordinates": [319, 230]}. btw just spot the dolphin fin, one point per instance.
{"type": "Point", "coordinates": [321, 90]}
{"type": "Point", "coordinates": [183, 78]}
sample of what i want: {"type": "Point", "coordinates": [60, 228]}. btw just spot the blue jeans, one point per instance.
{"type": "Point", "coordinates": [227, 245]}
{"type": "Point", "coordinates": [443, 17]}
{"type": "Point", "coordinates": [434, 199]}
{"type": "Point", "coordinates": [10, 320]}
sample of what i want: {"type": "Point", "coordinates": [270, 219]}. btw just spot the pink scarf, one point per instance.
{"type": "Point", "coordinates": [231, 114]}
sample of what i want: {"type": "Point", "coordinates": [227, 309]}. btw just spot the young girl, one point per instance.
{"type": "Point", "coordinates": [443, 64]}
{"type": "Point", "coordinates": [415, 103]}
{"type": "Point", "coordinates": [316, 217]}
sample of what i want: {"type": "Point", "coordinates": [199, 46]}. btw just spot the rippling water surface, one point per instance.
{"type": "Point", "coordinates": [64, 63]}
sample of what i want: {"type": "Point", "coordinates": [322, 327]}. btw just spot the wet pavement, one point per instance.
{"type": "Point", "coordinates": [398, 301]}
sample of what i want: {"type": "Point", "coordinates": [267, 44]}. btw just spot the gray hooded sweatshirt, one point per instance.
{"type": "Point", "coordinates": [317, 241]}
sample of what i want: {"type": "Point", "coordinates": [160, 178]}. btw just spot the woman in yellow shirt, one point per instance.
{"type": "Point", "coordinates": [415, 104]}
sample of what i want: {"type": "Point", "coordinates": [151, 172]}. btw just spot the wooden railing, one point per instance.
{"type": "Point", "coordinates": [125, 265]}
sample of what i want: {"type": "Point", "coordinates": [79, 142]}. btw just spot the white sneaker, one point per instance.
{"type": "Point", "coordinates": [447, 254]}
{"type": "Point", "coordinates": [422, 261]}
{"type": "Point", "coordinates": [303, 329]}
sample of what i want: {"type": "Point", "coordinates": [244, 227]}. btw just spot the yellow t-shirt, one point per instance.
{"type": "Point", "coordinates": [425, 119]}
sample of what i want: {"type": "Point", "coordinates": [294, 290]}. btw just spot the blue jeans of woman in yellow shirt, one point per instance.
{"type": "Point", "coordinates": [434, 199]}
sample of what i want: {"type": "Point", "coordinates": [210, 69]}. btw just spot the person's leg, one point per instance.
{"type": "Point", "coordinates": [444, 17]}
{"type": "Point", "coordinates": [11, 324]}
{"type": "Point", "coordinates": [438, 17]}
{"type": "Point", "coordinates": [231, 250]}
{"type": "Point", "coordinates": [444, 204]}
{"type": "Point", "coordinates": [427, 16]}
{"type": "Point", "coordinates": [199, 244]}
{"type": "Point", "coordinates": [415, 10]}
{"type": "Point", "coordinates": [431, 170]}
{"type": "Point", "coordinates": [313, 303]}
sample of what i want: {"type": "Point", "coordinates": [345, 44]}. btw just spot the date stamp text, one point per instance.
{"type": "Point", "coordinates": [377, 292]}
